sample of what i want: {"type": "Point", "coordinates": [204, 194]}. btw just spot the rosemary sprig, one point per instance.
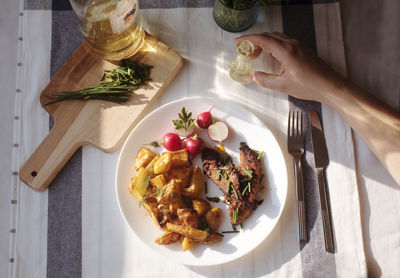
{"type": "Point", "coordinates": [115, 86]}
{"type": "Point", "coordinates": [213, 199]}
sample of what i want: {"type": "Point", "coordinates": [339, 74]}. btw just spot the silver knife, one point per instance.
{"type": "Point", "coordinates": [321, 162]}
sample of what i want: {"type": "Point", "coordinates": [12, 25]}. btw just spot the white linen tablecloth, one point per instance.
{"type": "Point", "coordinates": [104, 244]}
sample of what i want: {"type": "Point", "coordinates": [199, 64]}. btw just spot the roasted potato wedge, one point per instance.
{"type": "Point", "coordinates": [176, 204]}
{"type": "Point", "coordinates": [201, 206]}
{"type": "Point", "coordinates": [143, 157]}
{"type": "Point", "coordinates": [213, 218]}
{"type": "Point", "coordinates": [188, 217]}
{"type": "Point", "coordinates": [187, 231]}
{"type": "Point", "coordinates": [181, 175]}
{"type": "Point", "coordinates": [139, 184]}
{"type": "Point", "coordinates": [187, 243]}
{"type": "Point", "coordinates": [163, 163]}
{"type": "Point", "coordinates": [179, 158]}
{"type": "Point", "coordinates": [196, 184]}
{"type": "Point", "coordinates": [171, 192]}
{"type": "Point", "coordinates": [212, 238]}
{"type": "Point", "coordinates": [167, 238]}
{"type": "Point", "coordinates": [159, 181]}
{"type": "Point", "coordinates": [150, 167]}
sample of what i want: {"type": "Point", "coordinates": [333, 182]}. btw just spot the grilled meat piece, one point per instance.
{"type": "Point", "coordinates": [249, 161]}
{"type": "Point", "coordinates": [241, 208]}
{"type": "Point", "coordinates": [244, 179]}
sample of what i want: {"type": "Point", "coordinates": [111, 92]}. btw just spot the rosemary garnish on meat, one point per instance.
{"type": "Point", "coordinates": [116, 85]}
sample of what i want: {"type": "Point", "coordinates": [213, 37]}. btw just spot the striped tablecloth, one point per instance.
{"type": "Point", "coordinates": [75, 228]}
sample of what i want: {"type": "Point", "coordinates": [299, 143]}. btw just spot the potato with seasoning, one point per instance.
{"type": "Point", "coordinates": [150, 167]}
{"type": "Point", "coordinates": [143, 157]}
{"type": "Point", "coordinates": [138, 186]}
{"type": "Point", "coordinates": [181, 175]}
{"type": "Point", "coordinates": [201, 206]}
{"type": "Point", "coordinates": [170, 192]}
{"type": "Point", "coordinates": [187, 231]}
{"type": "Point", "coordinates": [163, 163]}
{"type": "Point", "coordinates": [159, 181]}
{"type": "Point", "coordinates": [179, 158]}
{"type": "Point", "coordinates": [196, 184]}
{"type": "Point", "coordinates": [188, 217]}
{"type": "Point", "coordinates": [167, 238]}
{"type": "Point", "coordinates": [187, 243]}
{"type": "Point", "coordinates": [213, 218]}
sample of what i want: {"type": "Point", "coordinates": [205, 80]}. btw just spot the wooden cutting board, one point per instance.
{"type": "Point", "coordinates": [102, 124]}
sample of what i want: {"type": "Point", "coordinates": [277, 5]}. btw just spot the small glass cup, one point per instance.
{"type": "Point", "coordinates": [242, 66]}
{"type": "Point", "coordinates": [112, 28]}
{"type": "Point", "coordinates": [237, 18]}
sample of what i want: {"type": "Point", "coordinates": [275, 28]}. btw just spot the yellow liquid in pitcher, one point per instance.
{"type": "Point", "coordinates": [113, 29]}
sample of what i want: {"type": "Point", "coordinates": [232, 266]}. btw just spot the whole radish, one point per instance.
{"type": "Point", "coordinates": [194, 145]}
{"type": "Point", "coordinates": [204, 120]}
{"type": "Point", "coordinates": [172, 141]}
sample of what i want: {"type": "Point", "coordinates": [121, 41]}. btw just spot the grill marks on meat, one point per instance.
{"type": "Point", "coordinates": [222, 174]}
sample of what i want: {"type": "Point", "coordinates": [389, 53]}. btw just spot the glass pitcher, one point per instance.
{"type": "Point", "coordinates": [112, 28]}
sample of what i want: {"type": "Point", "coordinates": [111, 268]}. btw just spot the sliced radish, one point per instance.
{"type": "Point", "coordinates": [218, 131]}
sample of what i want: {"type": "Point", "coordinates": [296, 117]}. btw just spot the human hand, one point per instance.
{"type": "Point", "coordinates": [303, 74]}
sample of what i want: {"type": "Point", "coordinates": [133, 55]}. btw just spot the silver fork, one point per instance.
{"type": "Point", "coordinates": [296, 149]}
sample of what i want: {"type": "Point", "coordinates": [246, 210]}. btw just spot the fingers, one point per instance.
{"type": "Point", "coordinates": [266, 80]}
{"type": "Point", "coordinates": [265, 42]}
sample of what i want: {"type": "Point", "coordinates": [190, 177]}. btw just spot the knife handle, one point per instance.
{"type": "Point", "coordinates": [326, 211]}
{"type": "Point", "coordinates": [301, 204]}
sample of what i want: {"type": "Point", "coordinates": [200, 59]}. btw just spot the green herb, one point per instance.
{"type": "Point", "coordinates": [156, 144]}
{"type": "Point", "coordinates": [185, 120]}
{"type": "Point", "coordinates": [213, 199]}
{"type": "Point", "coordinates": [234, 216]}
{"type": "Point", "coordinates": [249, 185]}
{"type": "Point", "coordinates": [241, 226]}
{"type": "Point", "coordinates": [228, 187]}
{"type": "Point", "coordinates": [230, 232]}
{"type": "Point", "coordinates": [117, 84]}
{"type": "Point", "coordinates": [218, 176]}
{"type": "Point", "coordinates": [160, 192]}
{"type": "Point", "coordinates": [261, 177]}
{"type": "Point", "coordinates": [260, 154]}
{"type": "Point", "coordinates": [147, 181]}
{"type": "Point", "coordinates": [219, 234]}
{"type": "Point", "coordinates": [140, 203]}
{"type": "Point", "coordinates": [234, 191]}
{"type": "Point", "coordinates": [225, 175]}
{"type": "Point", "coordinates": [205, 187]}
{"type": "Point", "coordinates": [245, 189]}
{"type": "Point", "coordinates": [248, 173]}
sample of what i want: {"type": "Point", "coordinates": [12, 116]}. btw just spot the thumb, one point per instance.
{"type": "Point", "coordinates": [266, 80]}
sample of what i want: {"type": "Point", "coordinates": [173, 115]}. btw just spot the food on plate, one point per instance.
{"type": "Point", "coordinates": [204, 120]}
{"type": "Point", "coordinates": [218, 131]}
{"type": "Point", "coordinates": [194, 145]}
{"type": "Point", "coordinates": [239, 184]}
{"type": "Point", "coordinates": [172, 141]}
{"type": "Point", "coordinates": [185, 124]}
{"type": "Point", "coordinates": [143, 157]}
{"type": "Point", "coordinates": [169, 187]}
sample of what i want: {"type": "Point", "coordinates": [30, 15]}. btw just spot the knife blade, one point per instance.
{"type": "Point", "coordinates": [321, 162]}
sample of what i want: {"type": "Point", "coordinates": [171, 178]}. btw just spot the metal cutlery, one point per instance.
{"type": "Point", "coordinates": [321, 162]}
{"type": "Point", "coordinates": [296, 149]}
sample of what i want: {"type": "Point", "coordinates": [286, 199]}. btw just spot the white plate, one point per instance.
{"type": "Point", "coordinates": [243, 126]}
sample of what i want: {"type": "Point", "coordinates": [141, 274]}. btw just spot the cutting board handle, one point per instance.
{"type": "Point", "coordinates": [50, 157]}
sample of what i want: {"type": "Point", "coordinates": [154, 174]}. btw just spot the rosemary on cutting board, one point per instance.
{"type": "Point", "coordinates": [116, 85]}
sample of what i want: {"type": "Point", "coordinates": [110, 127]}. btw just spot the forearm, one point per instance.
{"type": "Point", "coordinates": [376, 124]}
